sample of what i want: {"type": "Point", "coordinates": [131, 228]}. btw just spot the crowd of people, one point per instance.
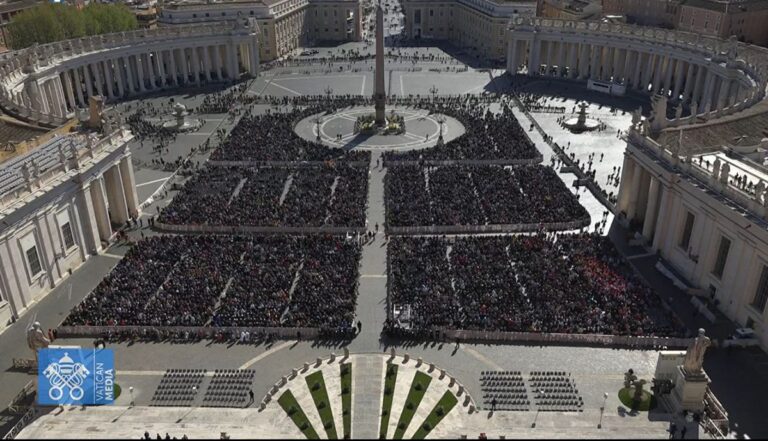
{"type": "Point", "coordinates": [567, 283]}
{"type": "Point", "coordinates": [326, 195]}
{"type": "Point", "coordinates": [478, 195]}
{"type": "Point", "coordinates": [228, 281]}
{"type": "Point", "coordinates": [271, 137]}
{"type": "Point", "coordinates": [487, 136]}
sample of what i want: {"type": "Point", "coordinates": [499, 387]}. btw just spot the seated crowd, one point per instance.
{"type": "Point", "coordinates": [478, 195]}
{"type": "Point", "coordinates": [568, 283]}
{"type": "Point", "coordinates": [488, 135]}
{"type": "Point", "coordinates": [223, 281]}
{"type": "Point", "coordinates": [270, 137]}
{"type": "Point", "coordinates": [315, 197]}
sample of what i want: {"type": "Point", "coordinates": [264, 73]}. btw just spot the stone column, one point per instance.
{"type": "Point", "coordinates": [573, 61]}
{"type": "Point", "coordinates": [709, 91]}
{"type": "Point", "coordinates": [97, 77]}
{"type": "Point", "coordinates": [689, 80]}
{"type": "Point", "coordinates": [160, 68]}
{"type": "Point", "coordinates": [207, 63]}
{"type": "Point", "coordinates": [625, 184]}
{"type": "Point", "coordinates": [594, 65]}
{"type": "Point", "coordinates": [196, 65]}
{"type": "Point", "coordinates": [88, 221]}
{"type": "Point", "coordinates": [217, 62]}
{"type": "Point", "coordinates": [88, 82]}
{"type": "Point", "coordinates": [734, 93]}
{"type": "Point", "coordinates": [117, 63]}
{"type": "Point", "coordinates": [534, 62]}
{"type": "Point", "coordinates": [231, 63]}
{"type": "Point", "coordinates": [661, 219]}
{"type": "Point", "coordinates": [68, 89]}
{"type": "Point", "coordinates": [630, 57]}
{"type": "Point", "coordinates": [649, 222]}
{"type": "Point", "coordinates": [640, 65]}
{"type": "Point", "coordinates": [79, 87]}
{"type": "Point", "coordinates": [140, 66]}
{"type": "Point", "coordinates": [110, 80]}
{"type": "Point", "coordinates": [174, 74]}
{"type": "Point", "coordinates": [679, 65]}
{"type": "Point", "coordinates": [129, 81]}
{"type": "Point", "coordinates": [701, 76]}
{"type": "Point", "coordinates": [561, 62]}
{"type": "Point", "coordinates": [584, 61]}
{"type": "Point", "coordinates": [637, 173]}
{"type": "Point", "coordinates": [648, 72]}
{"type": "Point", "coordinates": [658, 73]}
{"type": "Point", "coordinates": [512, 56]}
{"type": "Point", "coordinates": [254, 60]}
{"type": "Point", "coordinates": [116, 195]}
{"type": "Point", "coordinates": [129, 185]}
{"type": "Point", "coordinates": [667, 84]}
{"type": "Point", "coordinates": [101, 210]}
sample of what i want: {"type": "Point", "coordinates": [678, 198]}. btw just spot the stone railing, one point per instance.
{"type": "Point", "coordinates": [581, 339]}
{"type": "Point", "coordinates": [489, 229]}
{"type": "Point", "coordinates": [747, 202]}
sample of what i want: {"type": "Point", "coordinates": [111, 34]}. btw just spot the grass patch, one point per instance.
{"type": "Point", "coordinates": [418, 389]}
{"type": "Point", "coordinates": [291, 407]}
{"type": "Point", "coordinates": [445, 405]}
{"type": "Point", "coordinates": [626, 395]}
{"type": "Point", "coordinates": [390, 379]}
{"type": "Point", "coordinates": [316, 386]}
{"type": "Point", "coordinates": [346, 398]}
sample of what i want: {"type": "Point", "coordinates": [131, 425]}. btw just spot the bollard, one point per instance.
{"type": "Point", "coordinates": [392, 352]}
{"type": "Point", "coordinates": [283, 381]}
{"type": "Point", "coordinates": [406, 357]}
{"type": "Point", "coordinates": [294, 372]}
{"type": "Point", "coordinates": [461, 391]}
{"type": "Point", "coordinates": [467, 400]}
{"type": "Point", "coordinates": [319, 361]}
{"type": "Point", "coordinates": [262, 406]}
{"type": "Point", "coordinates": [346, 353]}
{"type": "Point", "coordinates": [472, 408]}
{"type": "Point", "coordinates": [418, 362]}
{"type": "Point", "coordinates": [306, 367]}
{"type": "Point", "coordinates": [442, 373]}
{"type": "Point", "coordinates": [333, 357]}
{"type": "Point", "coordinates": [431, 367]}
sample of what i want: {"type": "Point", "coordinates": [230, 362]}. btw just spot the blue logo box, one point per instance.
{"type": "Point", "coordinates": [75, 376]}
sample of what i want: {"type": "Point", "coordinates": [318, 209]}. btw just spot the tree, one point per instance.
{"type": "Point", "coordinates": [51, 22]}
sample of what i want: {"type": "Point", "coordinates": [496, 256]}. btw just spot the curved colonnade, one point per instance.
{"type": "Point", "coordinates": [711, 77]}
{"type": "Point", "coordinates": [45, 84]}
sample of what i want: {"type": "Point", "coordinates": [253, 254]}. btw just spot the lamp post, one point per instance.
{"type": "Point", "coordinates": [602, 410]}
{"type": "Point", "coordinates": [538, 408]}
{"type": "Point", "coordinates": [433, 90]}
{"type": "Point", "coordinates": [328, 91]}
{"type": "Point", "coordinates": [318, 121]}
{"type": "Point", "coordinates": [440, 120]}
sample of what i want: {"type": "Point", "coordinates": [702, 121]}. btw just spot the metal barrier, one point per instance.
{"type": "Point", "coordinates": [592, 339]}
{"type": "Point", "coordinates": [245, 229]}
{"type": "Point", "coordinates": [19, 426]}
{"type": "Point", "coordinates": [16, 407]}
{"type": "Point", "coordinates": [497, 228]}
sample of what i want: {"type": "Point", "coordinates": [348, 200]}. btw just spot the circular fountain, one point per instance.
{"type": "Point", "coordinates": [181, 121]}
{"type": "Point", "coordinates": [581, 123]}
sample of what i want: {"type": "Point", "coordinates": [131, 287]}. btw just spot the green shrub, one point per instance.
{"type": "Point", "coordinates": [304, 426]}
{"type": "Point", "coordinates": [328, 424]}
{"type": "Point", "coordinates": [409, 406]}
{"type": "Point", "coordinates": [440, 411]}
{"type": "Point", "coordinates": [418, 387]}
{"type": "Point", "coordinates": [321, 405]}
{"type": "Point", "coordinates": [427, 427]}
{"type": "Point", "coordinates": [292, 410]}
{"type": "Point", "coordinates": [316, 386]}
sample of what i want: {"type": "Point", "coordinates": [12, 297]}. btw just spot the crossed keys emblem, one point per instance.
{"type": "Point", "coordinates": [66, 373]}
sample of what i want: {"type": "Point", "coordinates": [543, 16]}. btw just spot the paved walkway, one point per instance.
{"type": "Point", "coordinates": [368, 372]}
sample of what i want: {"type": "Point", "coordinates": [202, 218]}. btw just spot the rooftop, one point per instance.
{"type": "Point", "coordinates": [731, 6]}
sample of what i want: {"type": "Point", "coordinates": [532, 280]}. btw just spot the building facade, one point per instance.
{"type": "Point", "coordinates": [569, 9]}
{"type": "Point", "coordinates": [660, 13]}
{"type": "Point", "coordinates": [60, 204]}
{"type": "Point", "coordinates": [47, 83]}
{"type": "Point", "coordinates": [477, 25]}
{"type": "Point", "coordinates": [746, 19]}
{"type": "Point", "coordinates": [284, 25]}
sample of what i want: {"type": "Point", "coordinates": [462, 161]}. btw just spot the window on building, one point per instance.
{"type": "Point", "coordinates": [66, 233]}
{"type": "Point", "coordinates": [194, 15]}
{"type": "Point", "coordinates": [685, 239]}
{"type": "Point", "coordinates": [722, 257]}
{"type": "Point", "coordinates": [207, 14]}
{"type": "Point", "coordinates": [251, 12]}
{"type": "Point", "coordinates": [431, 12]}
{"type": "Point", "coordinates": [33, 260]}
{"type": "Point", "coordinates": [762, 291]}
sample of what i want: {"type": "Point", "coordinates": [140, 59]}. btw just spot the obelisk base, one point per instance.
{"type": "Point", "coordinates": [689, 391]}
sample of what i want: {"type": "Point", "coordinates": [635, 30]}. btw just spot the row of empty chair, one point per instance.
{"type": "Point", "coordinates": [178, 387]}
{"type": "Point", "coordinates": [229, 388]}
{"type": "Point", "coordinates": [553, 391]}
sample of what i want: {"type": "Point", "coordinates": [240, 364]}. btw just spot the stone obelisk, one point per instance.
{"type": "Point", "coordinates": [379, 95]}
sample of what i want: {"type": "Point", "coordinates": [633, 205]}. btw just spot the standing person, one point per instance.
{"type": "Point", "coordinates": [683, 431]}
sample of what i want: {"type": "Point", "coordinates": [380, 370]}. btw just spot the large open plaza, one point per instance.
{"type": "Point", "coordinates": [389, 237]}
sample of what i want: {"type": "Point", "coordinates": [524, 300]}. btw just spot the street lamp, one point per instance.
{"type": "Point", "coordinates": [602, 410]}
{"type": "Point", "coordinates": [328, 91]}
{"type": "Point", "coordinates": [318, 120]}
{"type": "Point", "coordinates": [542, 394]}
{"type": "Point", "coordinates": [440, 120]}
{"type": "Point", "coordinates": [433, 90]}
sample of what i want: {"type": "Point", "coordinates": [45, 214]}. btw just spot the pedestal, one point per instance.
{"type": "Point", "coordinates": [689, 391]}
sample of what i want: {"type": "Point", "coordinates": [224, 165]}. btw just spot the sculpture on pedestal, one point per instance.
{"type": "Point", "coordinates": [36, 338]}
{"type": "Point", "coordinates": [694, 355]}
{"type": "Point", "coordinates": [379, 96]}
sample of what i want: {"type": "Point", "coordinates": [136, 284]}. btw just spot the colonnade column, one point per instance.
{"type": "Point", "coordinates": [88, 81]}
{"type": "Point", "coordinates": [661, 217]}
{"type": "Point", "coordinates": [195, 65]}
{"type": "Point", "coordinates": [709, 86]}
{"type": "Point", "coordinates": [512, 56]}
{"type": "Point", "coordinates": [100, 208]}
{"type": "Point", "coordinates": [174, 77]}
{"type": "Point", "coordinates": [207, 62]}
{"type": "Point", "coordinates": [637, 173]}
{"type": "Point", "coordinates": [184, 65]}
{"type": "Point", "coordinates": [129, 75]}
{"type": "Point", "coordinates": [139, 61]}
{"type": "Point", "coordinates": [573, 71]}
{"type": "Point", "coordinates": [107, 64]}
{"type": "Point", "coordinates": [722, 98]}
{"type": "Point", "coordinates": [649, 221]}
{"type": "Point", "coordinates": [116, 195]}
{"type": "Point", "coordinates": [625, 188]}
{"type": "Point", "coordinates": [79, 86]}
{"type": "Point", "coordinates": [117, 62]}
{"type": "Point", "coordinates": [129, 186]}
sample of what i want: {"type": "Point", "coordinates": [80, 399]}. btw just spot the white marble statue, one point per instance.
{"type": "Point", "coordinates": [694, 355]}
{"type": "Point", "coordinates": [36, 338]}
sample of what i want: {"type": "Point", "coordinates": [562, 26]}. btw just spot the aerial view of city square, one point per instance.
{"type": "Point", "coordinates": [383, 219]}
